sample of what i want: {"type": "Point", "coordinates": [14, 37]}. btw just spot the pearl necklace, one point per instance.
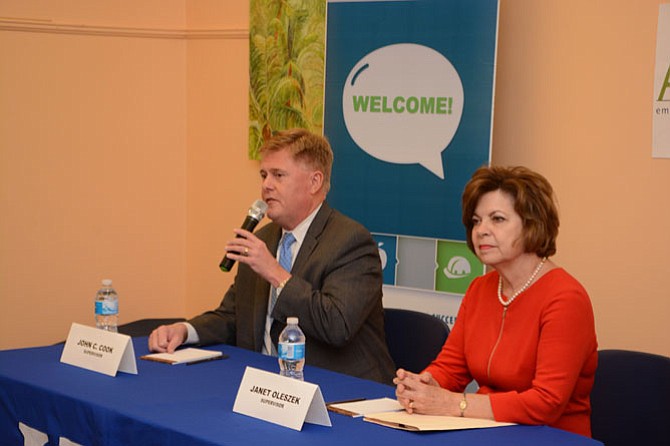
{"type": "Point", "coordinates": [522, 289]}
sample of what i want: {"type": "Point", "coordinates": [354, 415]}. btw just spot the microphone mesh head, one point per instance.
{"type": "Point", "coordinates": [258, 209]}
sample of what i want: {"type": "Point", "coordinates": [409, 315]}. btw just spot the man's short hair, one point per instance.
{"type": "Point", "coordinates": [305, 146]}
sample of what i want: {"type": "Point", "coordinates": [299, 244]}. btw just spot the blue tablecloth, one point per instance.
{"type": "Point", "coordinates": [192, 405]}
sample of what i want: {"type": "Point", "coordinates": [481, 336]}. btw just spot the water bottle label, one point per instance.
{"type": "Point", "coordinates": [106, 308]}
{"type": "Point", "coordinates": [293, 352]}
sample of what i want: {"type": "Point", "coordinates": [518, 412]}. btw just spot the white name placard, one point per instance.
{"type": "Point", "coordinates": [99, 350]}
{"type": "Point", "coordinates": [280, 400]}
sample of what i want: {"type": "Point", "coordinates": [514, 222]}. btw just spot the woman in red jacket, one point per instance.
{"type": "Point", "coordinates": [525, 330]}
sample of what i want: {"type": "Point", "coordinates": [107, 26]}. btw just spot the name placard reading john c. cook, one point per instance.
{"type": "Point", "coordinates": [99, 350]}
{"type": "Point", "coordinates": [93, 349]}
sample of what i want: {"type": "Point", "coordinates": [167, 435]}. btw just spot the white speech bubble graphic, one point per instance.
{"type": "Point", "coordinates": [402, 104]}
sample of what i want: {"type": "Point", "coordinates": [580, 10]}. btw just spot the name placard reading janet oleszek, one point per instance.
{"type": "Point", "coordinates": [280, 400]}
{"type": "Point", "coordinates": [99, 350]}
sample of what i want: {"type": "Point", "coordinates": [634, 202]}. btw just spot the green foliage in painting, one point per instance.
{"type": "Point", "coordinates": [286, 67]}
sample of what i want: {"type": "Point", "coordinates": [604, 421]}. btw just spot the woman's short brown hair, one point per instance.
{"type": "Point", "coordinates": [533, 198]}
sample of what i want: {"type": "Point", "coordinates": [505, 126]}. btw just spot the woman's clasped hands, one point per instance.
{"type": "Point", "coordinates": [420, 393]}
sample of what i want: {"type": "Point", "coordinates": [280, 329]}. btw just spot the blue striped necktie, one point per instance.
{"type": "Point", "coordinates": [285, 260]}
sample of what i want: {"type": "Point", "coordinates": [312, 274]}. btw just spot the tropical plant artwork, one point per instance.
{"type": "Point", "coordinates": [286, 67]}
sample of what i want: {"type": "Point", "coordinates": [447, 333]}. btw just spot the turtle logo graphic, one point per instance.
{"type": "Point", "coordinates": [457, 268]}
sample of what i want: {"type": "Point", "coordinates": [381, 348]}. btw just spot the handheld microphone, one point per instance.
{"type": "Point", "coordinates": [255, 214]}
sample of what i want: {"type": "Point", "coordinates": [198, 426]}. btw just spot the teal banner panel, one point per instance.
{"type": "Point", "coordinates": [408, 110]}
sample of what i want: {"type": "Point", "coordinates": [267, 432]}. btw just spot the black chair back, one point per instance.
{"type": "Point", "coordinates": [630, 400]}
{"type": "Point", "coordinates": [144, 327]}
{"type": "Point", "coordinates": [414, 339]}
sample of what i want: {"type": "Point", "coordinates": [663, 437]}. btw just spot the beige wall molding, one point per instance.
{"type": "Point", "coordinates": [48, 26]}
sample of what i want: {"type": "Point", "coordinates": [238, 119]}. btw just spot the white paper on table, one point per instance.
{"type": "Point", "coordinates": [360, 408]}
{"type": "Point", "coordinates": [183, 356]}
{"type": "Point", "coordinates": [416, 422]}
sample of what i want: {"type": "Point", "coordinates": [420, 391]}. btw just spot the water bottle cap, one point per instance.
{"type": "Point", "coordinates": [292, 320]}
{"type": "Point", "coordinates": [107, 282]}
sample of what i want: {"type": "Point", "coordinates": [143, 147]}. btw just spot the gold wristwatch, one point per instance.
{"type": "Point", "coordinates": [463, 405]}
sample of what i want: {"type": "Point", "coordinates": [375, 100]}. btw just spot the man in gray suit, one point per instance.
{"type": "Point", "coordinates": [334, 286]}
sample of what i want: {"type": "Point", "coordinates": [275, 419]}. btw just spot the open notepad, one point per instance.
{"type": "Point", "coordinates": [362, 407]}
{"type": "Point", "coordinates": [185, 356]}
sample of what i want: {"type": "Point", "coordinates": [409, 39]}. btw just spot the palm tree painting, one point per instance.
{"type": "Point", "coordinates": [286, 67]}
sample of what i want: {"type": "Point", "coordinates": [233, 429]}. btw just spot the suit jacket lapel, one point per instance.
{"type": "Point", "coordinates": [312, 236]}
{"type": "Point", "coordinates": [308, 245]}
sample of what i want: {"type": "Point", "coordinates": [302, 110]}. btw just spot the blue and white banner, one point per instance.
{"type": "Point", "coordinates": [408, 111]}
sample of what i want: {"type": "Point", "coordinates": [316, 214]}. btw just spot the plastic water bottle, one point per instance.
{"type": "Point", "coordinates": [291, 352]}
{"type": "Point", "coordinates": [106, 307]}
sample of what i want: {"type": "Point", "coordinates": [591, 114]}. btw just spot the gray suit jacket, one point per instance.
{"type": "Point", "coordinates": [335, 291]}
